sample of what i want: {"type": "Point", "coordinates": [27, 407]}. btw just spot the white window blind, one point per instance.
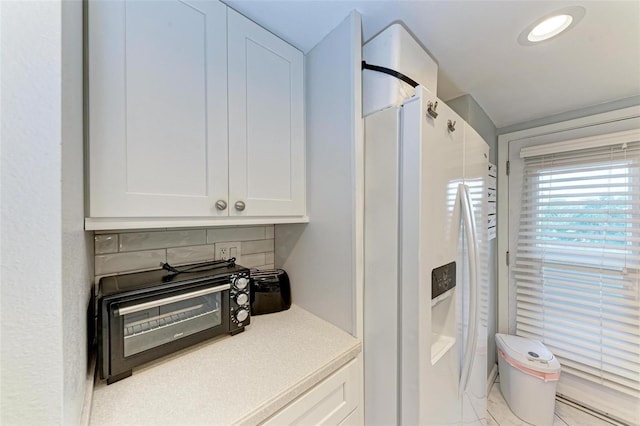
{"type": "Point", "coordinates": [577, 268]}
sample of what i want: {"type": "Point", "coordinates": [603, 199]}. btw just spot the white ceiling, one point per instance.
{"type": "Point", "coordinates": [475, 44]}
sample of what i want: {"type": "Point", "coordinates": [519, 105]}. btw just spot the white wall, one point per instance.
{"type": "Point", "coordinates": [44, 257]}
{"type": "Point", "coordinates": [32, 355]}
{"type": "Point", "coordinates": [77, 245]}
{"type": "Point", "coordinates": [324, 257]}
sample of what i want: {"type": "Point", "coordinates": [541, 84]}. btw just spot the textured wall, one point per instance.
{"type": "Point", "coordinates": [31, 303]}
{"type": "Point", "coordinates": [45, 256]}
{"type": "Point", "coordinates": [77, 246]}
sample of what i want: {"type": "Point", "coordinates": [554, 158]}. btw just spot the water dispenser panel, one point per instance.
{"type": "Point", "coordinates": [443, 279]}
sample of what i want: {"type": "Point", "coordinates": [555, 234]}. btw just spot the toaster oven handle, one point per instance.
{"type": "Point", "coordinates": [172, 299]}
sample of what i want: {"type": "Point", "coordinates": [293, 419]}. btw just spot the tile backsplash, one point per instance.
{"type": "Point", "coordinates": [140, 250]}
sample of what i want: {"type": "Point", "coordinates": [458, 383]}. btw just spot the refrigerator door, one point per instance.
{"type": "Point", "coordinates": [381, 237]}
{"type": "Point", "coordinates": [476, 164]}
{"type": "Point", "coordinates": [431, 170]}
{"type": "Point", "coordinates": [422, 365]}
{"type": "Point", "coordinates": [444, 340]}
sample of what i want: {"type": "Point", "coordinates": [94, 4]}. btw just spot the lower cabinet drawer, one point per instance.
{"type": "Point", "coordinates": [330, 402]}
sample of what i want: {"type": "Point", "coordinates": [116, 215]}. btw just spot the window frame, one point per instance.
{"type": "Point", "coordinates": [616, 120]}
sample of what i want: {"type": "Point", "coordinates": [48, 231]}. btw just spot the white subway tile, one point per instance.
{"type": "Point", "coordinates": [129, 262]}
{"type": "Point", "coordinates": [106, 243]}
{"type": "Point", "coordinates": [258, 246]}
{"type": "Point", "coordinates": [246, 233]}
{"type": "Point", "coordinates": [269, 257]}
{"type": "Point", "coordinates": [264, 267]}
{"type": "Point", "coordinates": [252, 260]}
{"type": "Point", "coordinates": [184, 255]}
{"type": "Point", "coordinates": [269, 232]}
{"type": "Point", "coordinates": [133, 241]}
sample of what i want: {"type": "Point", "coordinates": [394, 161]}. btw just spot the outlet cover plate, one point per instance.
{"type": "Point", "coordinates": [227, 250]}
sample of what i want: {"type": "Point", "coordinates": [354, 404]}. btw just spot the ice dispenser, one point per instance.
{"type": "Point", "coordinates": [443, 312]}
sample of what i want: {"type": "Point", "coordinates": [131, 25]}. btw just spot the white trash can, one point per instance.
{"type": "Point", "coordinates": [529, 374]}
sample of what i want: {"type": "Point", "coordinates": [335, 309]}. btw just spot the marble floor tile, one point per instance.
{"type": "Point", "coordinates": [500, 412]}
{"type": "Point", "coordinates": [491, 421]}
{"type": "Point", "coordinates": [575, 417]}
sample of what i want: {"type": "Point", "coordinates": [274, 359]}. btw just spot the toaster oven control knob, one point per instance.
{"type": "Point", "coordinates": [242, 299]}
{"type": "Point", "coordinates": [241, 283]}
{"type": "Point", "coordinates": [241, 314]}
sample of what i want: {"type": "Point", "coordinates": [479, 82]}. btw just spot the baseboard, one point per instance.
{"type": "Point", "coordinates": [591, 411]}
{"type": "Point", "coordinates": [493, 374]}
{"type": "Point", "coordinates": [88, 395]}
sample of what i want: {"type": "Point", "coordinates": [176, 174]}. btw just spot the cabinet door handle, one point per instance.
{"type": "Point", "coordinates": [221, 204]}
{"type": "Point", "coordinates": [239, 205]}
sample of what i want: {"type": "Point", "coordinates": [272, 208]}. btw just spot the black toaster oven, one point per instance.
{"type": "Point", "coordinates": [146, 315]}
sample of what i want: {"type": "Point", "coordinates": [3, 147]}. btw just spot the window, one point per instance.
{"type": "Point", "coordinates": [577, 266]}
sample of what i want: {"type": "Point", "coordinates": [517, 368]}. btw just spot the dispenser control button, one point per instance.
{"type": "Point", "coordinates": [443, 279]}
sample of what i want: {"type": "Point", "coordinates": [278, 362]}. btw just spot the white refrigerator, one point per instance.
{"type": "Point", "coordinates": [425, 233]}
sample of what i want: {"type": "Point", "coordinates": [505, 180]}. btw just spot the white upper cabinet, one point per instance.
{"type": "Point", "coordinates": [266, 116]}
{"type": "Point", "coordinates": [191, 116]}
{"type": "Point", "coordinates": [157, 108]}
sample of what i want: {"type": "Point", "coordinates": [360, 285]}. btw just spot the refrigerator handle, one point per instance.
{"type": "Point", "coordinates": [472, 243]}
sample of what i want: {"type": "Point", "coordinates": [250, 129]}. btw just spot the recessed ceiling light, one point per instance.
{"type": "Point", "coordinates": [551, 25]}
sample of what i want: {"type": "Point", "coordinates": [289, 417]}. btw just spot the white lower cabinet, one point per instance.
{"type": "Point", "coordinates": [334, 401]}
{"type": "Point", "coordinates": [356, 418]}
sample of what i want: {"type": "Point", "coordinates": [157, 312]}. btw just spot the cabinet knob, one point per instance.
{"type": "Point", "coordinates": [239, 205]}
{"type": "Point", "coordinates": [221, 204]}
{"type": "Point", "coordinates": [451, 126]}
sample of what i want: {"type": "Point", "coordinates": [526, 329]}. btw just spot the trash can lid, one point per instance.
{"type": "Point", "coordinates": [529, 353]}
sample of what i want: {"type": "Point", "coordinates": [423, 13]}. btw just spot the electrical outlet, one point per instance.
{"type": "Point", "coordinates": [225, 251]}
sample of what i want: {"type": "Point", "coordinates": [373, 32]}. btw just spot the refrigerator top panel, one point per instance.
{"type": "Point", "coordinates": [395, 48]}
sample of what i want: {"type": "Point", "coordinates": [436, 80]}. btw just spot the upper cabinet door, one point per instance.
{"type": "Point", "coordinates": [266, 122]}
{"type": "Point", "coordinates": [157, 108]}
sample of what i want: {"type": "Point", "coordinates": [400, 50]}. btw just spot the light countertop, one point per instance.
{"type": "Point", "coordinates": [241, 379]}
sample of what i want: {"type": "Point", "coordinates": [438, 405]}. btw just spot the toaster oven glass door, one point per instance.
{"type": "Point", "coordinates": [154, 323]}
